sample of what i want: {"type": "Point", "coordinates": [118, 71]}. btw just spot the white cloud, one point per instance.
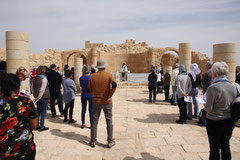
{"type": "Point", "coordinates": [64, 25]}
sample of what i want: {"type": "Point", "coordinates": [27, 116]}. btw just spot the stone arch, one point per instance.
{"type": "Point", "coordinates": [171, 49]}
{"type": "Point", "coordinates": [82, 55]}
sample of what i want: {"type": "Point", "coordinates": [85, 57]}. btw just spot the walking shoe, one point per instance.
{"type": "Point", "coordinates": [72, 121]}
{"type": "Point", "coordinates": [180, 122]}
{"type": "Point", "coordinates": [195, 116]}
{"type": "Point", "coordinates": [83, 126]}
{"type": "Point", "coordinates": [111, 144]}
{"type": "Point", "coordinates": [92, 144]}
{"type": "Point", "coordinates": [65, 120]}
{"type": "Point", "coordinates": [189, 118]}
{"type": "Point", "coordinates": [43, 129]}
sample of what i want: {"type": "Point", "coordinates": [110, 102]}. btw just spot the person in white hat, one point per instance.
{"type": "Point", "coordinates": [102, 85]}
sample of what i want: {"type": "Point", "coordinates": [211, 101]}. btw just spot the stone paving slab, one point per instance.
{"type": "Point", "coordinates": [142, 130]}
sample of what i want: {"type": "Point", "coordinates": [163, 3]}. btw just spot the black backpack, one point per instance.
{"type": "Point", "coordinates": [235, 108]}
{"type": "Point", "coordinates": [202, 121]}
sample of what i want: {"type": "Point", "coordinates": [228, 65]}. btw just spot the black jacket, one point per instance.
{"type": "Point", "coordinates": [152, 80]}
{"type": "Point", "coordinates": [54, 80]}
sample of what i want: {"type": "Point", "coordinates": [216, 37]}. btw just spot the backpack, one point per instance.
{"type": "Point", "coordinates": [202, 120]}
{"type": "Point", "coordinates": [235, 108]}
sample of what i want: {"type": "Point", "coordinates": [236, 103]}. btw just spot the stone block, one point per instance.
{"type": "Point", "coordinates": [17, 45]}
{"type": "Point", "coordinates": [16, 35]}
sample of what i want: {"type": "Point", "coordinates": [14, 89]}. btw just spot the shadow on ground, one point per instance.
{"type": "Point", "coordinates": [146, 101]}
{"type": "Point", "coordinates": [74, 136]}
{"type": "Point", "coordinates": [163, 118]}
{"type": "Point", "coordinates": [145, 156]}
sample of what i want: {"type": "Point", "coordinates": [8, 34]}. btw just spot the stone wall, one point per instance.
{"type": "Point", "coordinates": [138, 57]}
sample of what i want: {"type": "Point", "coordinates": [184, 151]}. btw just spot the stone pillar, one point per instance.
{"type": "Point", "coordinates": [94, 56]}
{"type": "Point", "coordinates": [17, 51]}
{"type": "Point", "coordinates": [185, 54]}
{"type": "Point", "coordinates": [151, 59]}
{"type": "Point", "coordinates": [78, 64]}
{"type": "Point", "coordinates": [226, 52]}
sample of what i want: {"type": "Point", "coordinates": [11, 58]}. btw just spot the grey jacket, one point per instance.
{"type": "Point", "coordinates": [184, 85]}
{"type": "Point", "coordinates": [69, 90]}
{"type": "Point", "coordinates": [220, 95]}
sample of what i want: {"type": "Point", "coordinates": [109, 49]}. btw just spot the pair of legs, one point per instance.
{"type": "Point", "coordinates": [84, 106]}
{"type": "Point", "coordinates": [219, 133]}
{"type": "Point", "coordinates": [53, 98]}
{"type": "Point", "coordinates": [193, 93]}
{"type": "Point", "coordinates": [174, 89]}
{"type": "Point", "coordinates": [182, 105]}
{"type": "Point", "coordinates": [107, 109]}
{"type": "Point", "coordinates": [41, 111]}
{"type": "Point", "coordinates": [166, 92]}
{"type": "Point", "coordinates": [152, 90]}
{"type": "Point", "coordinates": [69, 106]}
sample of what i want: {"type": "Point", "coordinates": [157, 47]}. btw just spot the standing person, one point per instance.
{"type": "Point", "coordinates": [166, 84]}
{"type": "Point", "coordinates": [174, 87]}
{"type": "Point", "coordinates": [69, 92]}
{"type": "Point", "coordinates": [207, 77]}
{"type": "Point", "coordinates": [220, 95]}
{"type": "Point", "coordinates": [124, 70]}
{"type": "Point", "coordinates": [18, 119]}
{"type": "Point", "coordinates": [195, 77]}
{"type": "Point", "coordinates": [102, 85]}
{"type": "Point", "coordinates": [183, 83]}
{"type": "Point", "coordinates": [92, 69]}
{"type": "Point", "coordinates": [41, 94]}
{"type": "Point", "coordinates": [23, 74]}
{"type": "Point", "coordinates": [161, 71]}
{"type": "Point", "coordinates": [159, 77]}
{"type": "Point", "coordinates": [55, 80]}
{"type": "Point", "coordinates": [59, 71]}
{"type": "Point", "coordinates": [237, 75]}
{"type": "Point", "coordinates": [152, 85]}
{"type": "Point", "coordinates": [86, 96]}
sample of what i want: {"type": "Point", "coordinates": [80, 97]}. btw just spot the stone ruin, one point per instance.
{"type": "Point", "coordinates": [138, 57]}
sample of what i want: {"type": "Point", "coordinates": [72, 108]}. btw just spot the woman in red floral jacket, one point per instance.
{"type": "Point", "coordinates": [18, 118]}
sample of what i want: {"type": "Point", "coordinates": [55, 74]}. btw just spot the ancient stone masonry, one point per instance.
{"type": "Point", "coordinates": [138, 57]}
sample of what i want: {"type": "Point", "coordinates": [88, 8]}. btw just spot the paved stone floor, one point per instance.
{"type": "Point", "coordinates": [142, 131]}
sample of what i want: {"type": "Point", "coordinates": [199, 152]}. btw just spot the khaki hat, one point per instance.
{"type": "Point", "coordinates": [101, 64]}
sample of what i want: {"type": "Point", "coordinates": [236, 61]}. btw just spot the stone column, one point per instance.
{"type": "Point", "coordinates": [17, 51]}
{"type": "Point", "coordinates": [94, 56]}
{"type": "Point", "coordinates": [78, 64]}
{"type": "Point", "coordinates": [185, 54]}
{"type": "Point", "coordinates": [226, 52]}
{"type": "Point", "coordinates": [151, 59]}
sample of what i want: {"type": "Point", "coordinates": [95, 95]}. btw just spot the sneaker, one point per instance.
{"type": "Point", "coordinates": [65, 120]}
{"type": "Point", "coordinates": [43, 129]}
{"type": "Point", "coordinates": [180, 122]}
{"type": "Point", "coordinates": [83, 126]}
{"type": "Point", "coordinates": [92, 144]}
{"type": "Point", "coordinates": [111, 144]}
{"type": "Point", "coordinates": [72, 121]}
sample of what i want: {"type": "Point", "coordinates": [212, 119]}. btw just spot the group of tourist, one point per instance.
{"type": "Point", "coordinates": [19, 117]}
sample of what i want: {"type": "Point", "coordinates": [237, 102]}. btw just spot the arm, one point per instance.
{"type": "Point", "coordinates": [42, 89]}
{"type": "Point", "coordinates": [189, 85]}
{"type": "Point", "coordinates": [112, 87]}
{"type": "Point", "coordinates": [33, 123]}
{"type": "Point", "coordinates": [90, 85]}
{"type": "Point", "coordinates": [210, 100]}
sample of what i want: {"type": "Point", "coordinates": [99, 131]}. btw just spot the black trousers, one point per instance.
{"type": "Point", "coordinates": [69, 106]}
{"type": "Point", "coordinates": [219, 133]}
{"type": "Point", "coordinates": [182, 109]}
{"type": "Point", "coordinates": [152, 90]}
{"type": "Point", "coordinates": [166, 91]}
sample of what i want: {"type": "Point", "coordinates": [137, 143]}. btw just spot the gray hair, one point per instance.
{"type": "Point", "coordinates": [85, 69]}
{"type": "Point", "coordinates": [220, 68]}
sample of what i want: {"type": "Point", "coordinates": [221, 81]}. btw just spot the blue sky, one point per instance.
{"type": "Point", "coordinates": [66, 24]}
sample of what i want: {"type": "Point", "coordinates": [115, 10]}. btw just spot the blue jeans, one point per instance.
{"type": "Point", "coordinates": [84, 106]}
{"type": "Point", "coordinates": [60, 104]}
{"type": "Point", "coordinates": [193, 93]}
{"type": "Point", "coordinates": [41, 110]}
{"type": "Point", "coordinates": [174, 89]}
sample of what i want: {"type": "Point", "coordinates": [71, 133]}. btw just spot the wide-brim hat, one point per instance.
{"type": "Point", "coordinates": [101, 64]}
